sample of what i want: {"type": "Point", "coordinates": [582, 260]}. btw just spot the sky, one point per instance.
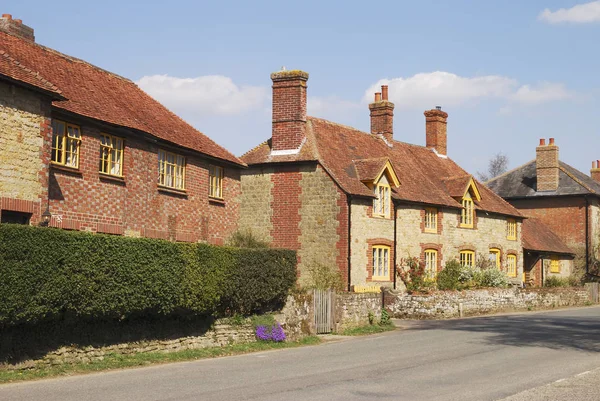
{"type": "Point", "coordinates": [507, 72]}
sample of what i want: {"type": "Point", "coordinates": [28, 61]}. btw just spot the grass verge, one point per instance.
{"type": "Point", "coordinates": [366, 330]}
{"type": "Point", "coordinates": [119, 361]}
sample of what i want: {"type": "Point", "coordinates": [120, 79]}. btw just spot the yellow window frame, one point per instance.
{"type": "Point", "coordinates": [431, 217]}
{"type": "Point", "coordinates": [111, 155]}
{"type": "Point", "coordinates": [511, 265]}
{"type": "Point", "coordinates": [380, 267]}
{"type": "Point", "coordinates": [467, 258]}
{"type": "Point", "coordinates": [215, 188]}
{"type": "Point", "coordinates": [171, 170]}
{"type": "Point", "coordinates": [467, 212]}
{"type": "Point", "coordinates": [496, 252]}
{"type": "Point", "coordinates": [554, 265]}
{"type": "Point", "coordinates": [511, 229]}
{"type": "Point", "coordinates": [66, 142]}
{"type": "Point", "coordinates": [431, 263]}
{"type": "Point", "coordinates": [381, 203]}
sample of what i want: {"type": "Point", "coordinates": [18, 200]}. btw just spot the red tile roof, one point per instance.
{"type": "Point", "coordinates": [369, 169]}
{"type": "Point", "coordinates": [101, 95]}
{"type": "Point", "coordinates": [420, 170]}
{"type": "Point", "coordinates": [11, 68]}
{"type": "Point", "coordinates": [538, 237]}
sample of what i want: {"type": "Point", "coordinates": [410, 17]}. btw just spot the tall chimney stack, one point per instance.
{"type": "Point", "coordinates": [382, 115]}
{"type": "Point", "coordinates": [289, 109]}
{"type": "Point", "coordinates": [595, 171]}
{"type": "Point", "coordinates": [546, 164]}
{"type": "Point", "coordinates": [16, 28]}
{"type": "Point", "coordinates": [435, 130]}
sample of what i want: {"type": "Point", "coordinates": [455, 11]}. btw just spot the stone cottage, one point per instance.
{"type": "Point", "coordinates": [88, 150]}
{"type": "Point", "coordinates": [364, 202]}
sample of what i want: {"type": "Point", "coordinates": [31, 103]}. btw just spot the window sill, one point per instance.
{"type": "Point", "coordinates": [380, 280]}
{"type": "Point", "coordinates": [511, 239]}
{"type": "Point", "coordinates": [66, 169]}
{"type": "Point", "coordinates": [172, 191]}
{"type": "Point", "coordinates": [216, 201]}
{"type": "Point", "coordinates": [114, 178]}
{"type": "Point", "coordinates": [430, 231]}
{"type": "Point", "coordinates": [467, 227]}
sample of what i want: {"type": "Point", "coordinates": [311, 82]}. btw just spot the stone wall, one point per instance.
{"type": "Point", "coordinates": [353, 309]}
{"type": "Point", "coordinates": [255, 202]}
{"type": "Point", "coordinates": [447, 304]}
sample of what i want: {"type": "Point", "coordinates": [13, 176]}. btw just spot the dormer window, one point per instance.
{"type": "Point", "coordinates": [381, 203]}
{"type": "Point", "coordinates": [466, 218]}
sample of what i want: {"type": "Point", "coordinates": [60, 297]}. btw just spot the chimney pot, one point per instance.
{"type": "Point", "coordinates": [15, 27]}
{"type": "Point", "coordinates": [19, 21]}
{"type": "Point", "coordinates": [551, 141]}
{"type": "Point", "coordinates": [384, 92]}
{"type": "Point", "coordinates": [438, 108]}
{"type": "Point", "coordinates": [382, 115]}
{"type": "Point", "coordinates": [595, 172]}
{"type": "Point", "coordinates": [378, 96]}
{"type": "Point", "coordinates": [547, 166]}
{"type": "Point", "coordinates": [6, 16]}
{"type": "Point", "coordinates": [542, 142]}
{"type": "Point", "coordinates": [594, 164]}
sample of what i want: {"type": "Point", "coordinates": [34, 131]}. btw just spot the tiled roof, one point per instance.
{"type": "Point", "coordinates": [538, 237]}
{"type": "Point", "coordinates": [521, 182]}
{"type": "Point", "coordinates": [457, 186]}
{"type": "Point", "coordinates": [420, 170]}
{"type": "Point", "coordinates": [13, 69]}
{"type": "Point", "coordinates": [369, 169]}
{"type": "Point", "coordinates": [101, 95]}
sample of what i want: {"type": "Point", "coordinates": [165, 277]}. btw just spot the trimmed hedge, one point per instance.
{"type": "Point", "coordinates": [48, 274]}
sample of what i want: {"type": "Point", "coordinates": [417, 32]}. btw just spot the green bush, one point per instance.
{"type": "Point", "coordinates": [412, 273]}
{"type": "Point", "coordinates": [451, 276]}
{"type": "Point", "coordinates": [323, 277]}
{"type": "Point", "coordinates": [493, 277]}
{"type": "Point", "coordinates": [555, 281]}
{"type": "Point", "coordinates": [48, 274]}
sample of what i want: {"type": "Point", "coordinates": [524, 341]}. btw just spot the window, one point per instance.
{"type": "Point", "coordinates": [66, 139]}
{"type": "Point", "coordinates": [554, 265]}
{"type": "Point", "coordinates": [381, 204]}
{"type": "Point", "coordinates": [381, 263]}
{"type": "Point", "coordinates": [511, 265]}
{"type": "Point", "coordinates": [430, 263]}
{"type": "Point", "coordinates": [467, 258]}
{"type": "Point", "coordinates": [511, 229]}
{"type": "Point", "coordinates": [466, 218]}
{"type": "Point", "coordinates": [171, 170]}
{"type": "Point", "coordinates": [10, 217]}
{"type": "Point", "coordinates": [111, 155]}
{"type": "Point", "coordinates": [494, 257]}
{"type": "Point", "coordinates": [215, 174]}
{"type": "Point", "coordinates": [431, 220]}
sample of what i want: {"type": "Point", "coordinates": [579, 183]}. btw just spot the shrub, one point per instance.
{"type": "Point", "coordinates": [555, 281]}
{"type": "Point", "coordinates": [493, 277]}
{"type": "Point", "coordinates": [49, 274]}
{"type": "Point", "coordinates": [322, 277]}
{"type": "Point", "coordinates": [246, 239]}
{"type": "Point", "coordinates": [385, 318]}
{"type": "Point", "coordinates": [412, 273]}
{"type": "Point", "coordinates": [450, 277]}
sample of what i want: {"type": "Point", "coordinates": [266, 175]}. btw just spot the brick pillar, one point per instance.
{"type": "Point", "coordinates": [435, 130]}
{"type": "Point", "coordinates": [595, 171]}
{"type": "Point", "coordinates": [546, 162]}
{"type": "Point", "coordinates": [289, 109]}
{"type": "Point", "coordinates": [382, 115]}
{"type": "Point", "coordinates": [16, 27]}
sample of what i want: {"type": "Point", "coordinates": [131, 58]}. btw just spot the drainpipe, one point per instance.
{"type": "Point", "coordinates": [349, 200]}
{"type": "Point", "coordinates": [395, 238]}
{"type": "Point", "coordinates": [587, 235]}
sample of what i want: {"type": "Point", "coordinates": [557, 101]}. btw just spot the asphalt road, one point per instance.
{"type": "Point", "coordinates": [486, 358]}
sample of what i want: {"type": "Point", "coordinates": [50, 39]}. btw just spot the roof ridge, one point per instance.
{"type": "Point", "coordinates": [508, 172]}
{"type": "Point", "coordinates": [67, 57]}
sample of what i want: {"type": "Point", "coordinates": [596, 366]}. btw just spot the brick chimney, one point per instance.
{"type": "Point", "coordinates": [435, 130]}
{"type": "Point", "coordinates": [595, 171]}
{"type": "Point", "coordinates": [382, 115]}
{"type": "Point", "coordinates": [289, 109]}
{"type": "Point", "coordinates": [16, 28]}
{"type": "Point", "coordinates": [546, 162]}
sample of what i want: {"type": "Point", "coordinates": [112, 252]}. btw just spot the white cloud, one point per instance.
{"type": "Point", "coordinates": [330, 105]}
{"type": "Point", "coordinates": [205, 95]}
{"type": "Point", "coordinates": [542, 93]}
{"type": "Point", "coordinates": [426, 90]}
{"type": "Point", "coordinates": [579, 14]}
{"type": "Point", "coordinates": [441, 88]}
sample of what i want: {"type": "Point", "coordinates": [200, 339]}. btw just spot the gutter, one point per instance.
{"type": "Point", "coordinates": [349, 201]}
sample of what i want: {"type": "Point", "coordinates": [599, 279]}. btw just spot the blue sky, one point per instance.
{"type": "Point", "coordinates": [507, 72]}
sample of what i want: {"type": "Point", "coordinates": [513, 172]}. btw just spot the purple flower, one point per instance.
{"type": "Point", "coordinates": [277, 333]}
{"type": "Point", "coordinates": [263, 334]}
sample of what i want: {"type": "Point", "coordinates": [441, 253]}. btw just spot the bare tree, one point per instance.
{"type": "Point", "coordinates": [496, 166]}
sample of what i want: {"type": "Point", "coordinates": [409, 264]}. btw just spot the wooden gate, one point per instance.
{"type": "Point", "coordinates": [323, 304]}
{"type": "Point", "coordinates": [593, 290]}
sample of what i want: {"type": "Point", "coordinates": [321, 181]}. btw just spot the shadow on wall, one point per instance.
{"type": "Point", "coordinates": [540, 330]}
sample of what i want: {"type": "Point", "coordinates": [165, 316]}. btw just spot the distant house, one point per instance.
{"type": "Point", "coordinates": [99, 154]}
{"type": "Point", "coordinates": [561, 197]}
{"type": "Point", "coordinates": [364, 202]}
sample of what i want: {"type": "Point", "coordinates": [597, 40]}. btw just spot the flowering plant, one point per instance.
{"type": "Point", "coordinates": [273, 333]}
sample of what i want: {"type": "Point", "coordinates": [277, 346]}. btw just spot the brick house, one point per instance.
{"type": "Point", "coordinates": [100, 155]}
{"type": "Point", "coordinates": [563, 198]}
{"type": "Point", "coordinates": [363, 202]}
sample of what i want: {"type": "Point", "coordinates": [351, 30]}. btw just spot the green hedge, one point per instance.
{"type": "Point", "coordinates": [48, 274]}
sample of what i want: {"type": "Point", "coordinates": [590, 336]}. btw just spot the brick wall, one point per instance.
{"type": "Point", "coordinates": [86, 200]}
{"type": "Point", "coordinates": [24, 120]}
